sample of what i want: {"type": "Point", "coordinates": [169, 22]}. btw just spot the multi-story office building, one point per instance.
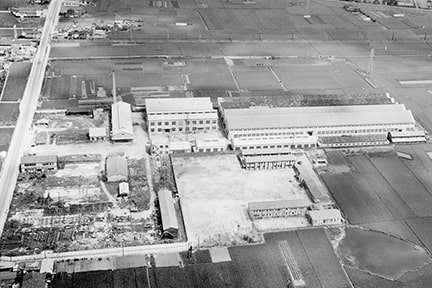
{"type": "Point", "coordinates": [180, 115]}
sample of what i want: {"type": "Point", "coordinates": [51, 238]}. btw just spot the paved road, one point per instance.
{"type": "Point", "coordinates": [27, 109]}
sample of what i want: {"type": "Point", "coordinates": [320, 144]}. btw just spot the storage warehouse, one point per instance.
{"type": "Point", "coordinates": [168, 213]}
{"type": "Point", "coordinates": [264, 122]}
{"type": "Point", "coordinates": [121, 121]}
{"type": "Point", "coordinates": [180, 115]}
{"type": "Point", "coordinates": [116, 169]}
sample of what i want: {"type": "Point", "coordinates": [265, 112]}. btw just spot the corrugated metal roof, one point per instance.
{"type": "Point", "coordinates": [353, 139]}
{"type": "Point", "coordinates": [38, 159]}
{"type": "Point", "coordinates": [264, 117]}
{"type": "Point", "coordinates": [156, 105]}
{"type": "Point", "coordinates": [417, 133]}
{"type": "Point", "coordinates": [121, 118]}
{"type": "Point", "coordinates": [281, 204]}
{"type": "Point", "coordinates": [116, 165]}
{"type": "Point", "coordinates": [325, 214]}
{"type": "Point", "coordinates": [168, 213]}
{"type": "Point", "coordinates": [316, 188]}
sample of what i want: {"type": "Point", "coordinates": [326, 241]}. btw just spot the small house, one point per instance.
{"type": "Point", "coordinates": [40, 163]}
{"type": "Point", "coordinates": [124, 189]}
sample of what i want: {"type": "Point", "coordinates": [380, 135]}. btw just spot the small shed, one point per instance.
{"type": "Point", "coordinates": [97, 134]}
{"type": "Point", "coordinates": [168, 213]}
{"type": "Point", "coordinates": [116, 169]}
{"type": "Point", "coordinates": [325, 217]}
{"type": "Point", "coordinates": [124, 189]}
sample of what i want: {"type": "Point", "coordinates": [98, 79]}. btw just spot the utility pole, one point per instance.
{"type": "Point", "coordinates": [371, 63]}
{"type": "Point", "coordinates": [307, 10]}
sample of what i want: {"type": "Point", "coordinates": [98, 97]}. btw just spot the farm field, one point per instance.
{"type": "Point", "coordinates": [397, 228]}
{"type": "Point", "coordinates": [211, 275]}
{"type": "Point", "coordinates": [229, 189]}
{"type": "Point", "coordinates": [422, 228]}
{"type": "Point", "coordinates": [392, 188]}
{"type": "Point", "coordinates": [8, 113]}
{"type": "Point", "coordinates": [387, 192]}
{"type": "Point", "coordinates": [5, 138]}
{"type": "Point", "coordinates": [409, 188]}
{"type": "Point", "coordinates": [16, 81]}
{"type": "Point", "coordinates": [380, 254]}
{"type": "Point", "coordinates": [140, 75]}
{"type": "Point", "coordinates": [131, 278]}
{"type": "Point", "coordinates": [361, 204]}
{"type": "Point", "coordinates": [314, 255]}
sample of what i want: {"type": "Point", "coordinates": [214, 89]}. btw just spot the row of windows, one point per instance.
{"type": "Point", "coordinates": [324, 127]}
{"type": "Point", "coordinates": [277, 214]}
{"type": "Point", "coordinates": [181, 129]}
{"type": "Point", "coordinates": [293, 146]}
{"type": "Point", "coordinates": [358, 131]}
{"type": "Point", "coordinates": [326, 132]}
{"type": "Point", "coordinates": [258, 211]}
{"type": "Point", "coordinates": [182, 113]}
{"type": "Point", "coordinates": [166, 123]}
{"type": "Point", "coordinates": [355, 144]}
{"type": "Point", "coordinates": [38, 164]}
{"type": "Point", "coordinates": [267, 134]}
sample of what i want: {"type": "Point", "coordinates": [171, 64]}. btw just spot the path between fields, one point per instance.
{"type": "Point", "coordinates": [108, 194]}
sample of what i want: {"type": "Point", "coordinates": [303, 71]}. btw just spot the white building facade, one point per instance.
{"type": "Point", "coordinates": [271, 123]}
{"type": "Point", "coordinates": [180, 115]}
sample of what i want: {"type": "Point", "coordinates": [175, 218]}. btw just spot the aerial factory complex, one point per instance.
{"type": "Point", "coordinates": [223, 143]}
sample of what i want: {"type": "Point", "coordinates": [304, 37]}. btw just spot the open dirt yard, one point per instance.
{"type": "Point", "coordinates": [16, 81]}
{"type": "Point", "coordinates": [228, 189]}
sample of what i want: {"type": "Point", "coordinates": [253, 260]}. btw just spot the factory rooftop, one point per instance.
{"type": "Point", "coordinates": [177, 105]}
{"type": "Point", "coordinates": [264, 117]}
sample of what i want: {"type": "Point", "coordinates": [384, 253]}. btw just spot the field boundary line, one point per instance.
{"type": "Point", "coordinates": [309, 260]}
{"type": "Point", "coordinates": [418, 179]}
{"type": "Point", "coordinates": [4, 85]}
{"type": "Point", "coordinates": [420, 240]}
{"type": "Point", "coordinates": [392, 188]}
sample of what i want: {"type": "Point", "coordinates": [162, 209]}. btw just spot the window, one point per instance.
{"type": "Point", "coordinates": [166, 123]}
{"type": "Point", "coordinates": [207, 121]}
{"type": "Point", "coordinates": [152, 123]}
{"type": "Point", "coordinates": [201, 122]}
{"type": "Point", "coordinates": [173, 123]}
{"type": "Point", "coordinates": [159, 123]}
